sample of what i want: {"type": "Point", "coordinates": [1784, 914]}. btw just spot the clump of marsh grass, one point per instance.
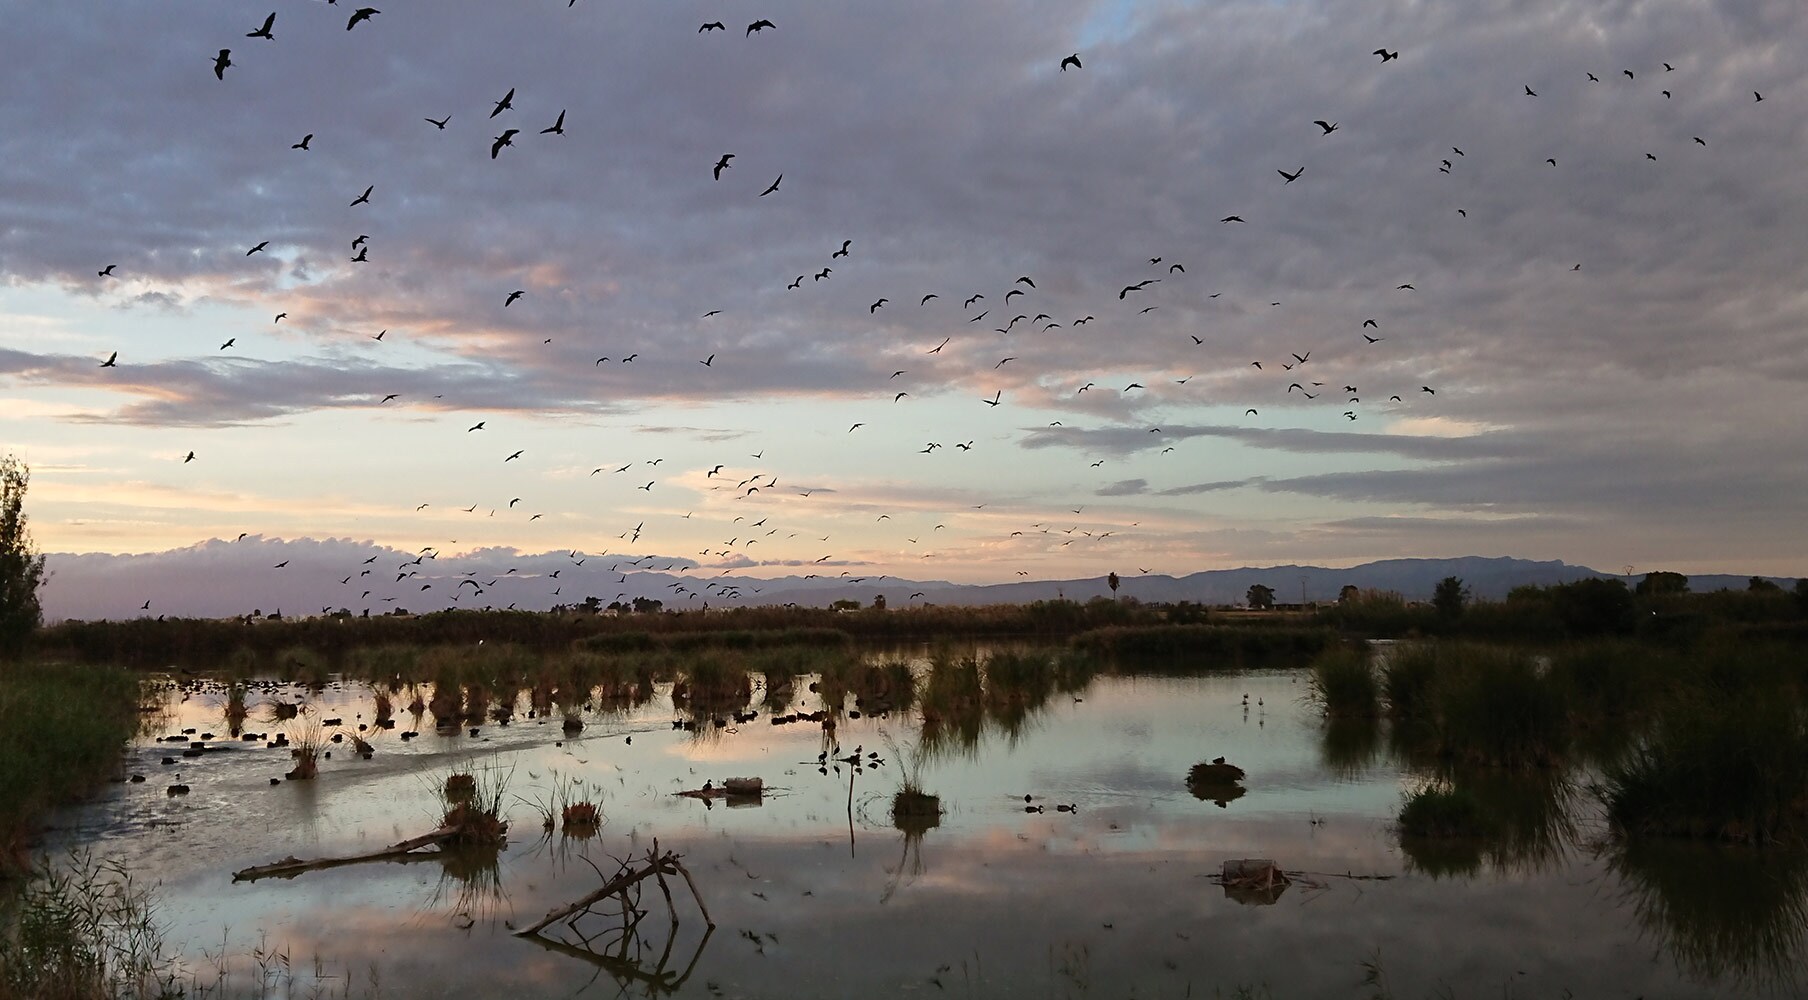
{"type": "Point", "coordinates": [913, 810]}
{"type": "Point", "coordinates": [1732, 770]}
{"type": "Point", "coordinates": [1407, 674]}
{"type": "Point", "coordinates": [1344, 685]}
{"type": "Point", "coordinates": [476, 817]}
{"type": "Point", "coordinates": [581, 819]}
{"type": "Point", "coordinates": [61, 731]}
{"type": "Point", "coordinates": [84, 929]}
{"type": "Point", "coordinates": [235, 711]}
{"type": "Point", "coordinates": [1440, 811]}
{"type": "Point", "coordinates": [1494, 707]}
{"type": "Point", "coordinates": [309, 742]}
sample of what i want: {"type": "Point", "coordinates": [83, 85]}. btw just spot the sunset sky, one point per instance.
{"type": "Point", "coordinates": [1618, 341]}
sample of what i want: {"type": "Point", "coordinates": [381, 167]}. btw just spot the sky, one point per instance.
{"type": "Point", "coordinates": [1585, 293]}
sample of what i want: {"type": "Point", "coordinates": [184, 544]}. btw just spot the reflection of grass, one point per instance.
{"type": "Point", "coordinates": [1348, 747]}
{"type": "Point", "coordinates": [1510, 820]}
{"type": "Point", "coordinates": [1728, 911]}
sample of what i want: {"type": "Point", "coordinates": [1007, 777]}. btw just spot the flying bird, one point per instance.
{"type": "Point", "coordinates": [774, 186]}
{"type": "Point", "coordinates": [926, 298]}
{"type": "Point", "coordinates": [1529, 92]}
{"type": "Point", "coordinates": [507, 138]}
{"type": "Point", "coordinates": [512, 296]}
{"type": "Point", "coordinates": [759, 25]}
{"type": "Point", "coordinates": [507, 102]}
{"type": "Point", "coordinates": [107, 272]}
{"type": "Point", "coordinates": [440, 123]}
{"type": "Point", "coordinates": [516, 455]}
{"type": "Point", "coordinates": [190, 458]}
{"type": "Point", "coordinates": [708, 362]}
{"type": "Point", "coordinates": [264, 32]}
{"type": "Point", "coordinates": [1385, 56]}
{"type": "Point", "coordinates": [556, 128]}
{"type": "Point", "coordinates": [722, 164]}
{"type": "Point", "coordinates": [1231, 218]}
{"type": "Point", "coordinates": [364, 199]}
{"type": "Point", "coordinates": [303, 144]}
{"type": "Point", "coordinates": [1329, 127]}
{"type": "Point", "coordinates": [257, 248]}
{"type": "Point", "coordinates": [843, 252]}
{"type": "Point", "coordinates": [1073, 60]}
{"type": "Point", "coordinates": [875, 306]}
{"type": "Point", "coordinates": [712, 26]}
{"type": "Point", "coordinates": [229, 342]}
{"type": "Point", "coordinates": [1291, 177]}
{"type": "Point", "coordinates": [361, 14]}
{"type": "Point", "coordinates": [220, 62]}
{"type": "Point", "coordinates": [112, 361]}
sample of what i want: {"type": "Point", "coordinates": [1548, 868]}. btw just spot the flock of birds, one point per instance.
{"type": "Point", "coordinates": [1016, 312]}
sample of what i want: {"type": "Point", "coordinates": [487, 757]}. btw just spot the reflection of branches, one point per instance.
{"type": "Point", "coordinates": [1720, 910]}
{"type": "Point", "coordinates": [658, 979]}
{"type": "Point", "coordinates": [619, 946]}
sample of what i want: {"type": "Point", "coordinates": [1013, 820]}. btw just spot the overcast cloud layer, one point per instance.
{"type": "Point", "coordinates": [1614, 341]}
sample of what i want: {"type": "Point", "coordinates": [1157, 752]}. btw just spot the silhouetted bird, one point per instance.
{"type": "Point", "coordinates": [361, 14]}
{"type": "Point", "coordinates": [1074, 61]}
{"type": "Point", "coordinates": [220, 62]}
{"type": "Point", "coordinates": [507, 138]}
{"type": "Point", "coordinates": [507, 102]}
{"type": "Point", "coordinates": [264, 32]}
{"type": "Point", "coordinates": [759, 25]}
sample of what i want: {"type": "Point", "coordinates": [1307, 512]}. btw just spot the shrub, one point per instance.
{"type": "Point", "coordinates": [1343, 683]}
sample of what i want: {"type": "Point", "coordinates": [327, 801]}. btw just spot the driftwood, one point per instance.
{"type": "Point", "coordinates": [656, 865]}
{"type": "Point", "coordinates": [292, 866]}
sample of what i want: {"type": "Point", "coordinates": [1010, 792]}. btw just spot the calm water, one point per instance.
{"type": "Point", "coordinates": [816, 894]}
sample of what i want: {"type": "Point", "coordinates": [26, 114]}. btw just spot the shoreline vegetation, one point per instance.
{"type": "Point", "coordinates": [1511, 683]}
{"type": "Point", "coordinates": [1688, 712]}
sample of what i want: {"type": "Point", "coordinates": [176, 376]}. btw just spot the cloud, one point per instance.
{"type": "Point", "coordinates": [1658, 385]}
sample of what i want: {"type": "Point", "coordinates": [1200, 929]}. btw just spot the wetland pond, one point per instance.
{"type": "Point", "coordinates": [816, 890]}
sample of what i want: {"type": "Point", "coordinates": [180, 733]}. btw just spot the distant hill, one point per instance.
{"type": "Point", "coordinates": [1487, 578]}
{"type": "Point", "coordinates": [219, 578]}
